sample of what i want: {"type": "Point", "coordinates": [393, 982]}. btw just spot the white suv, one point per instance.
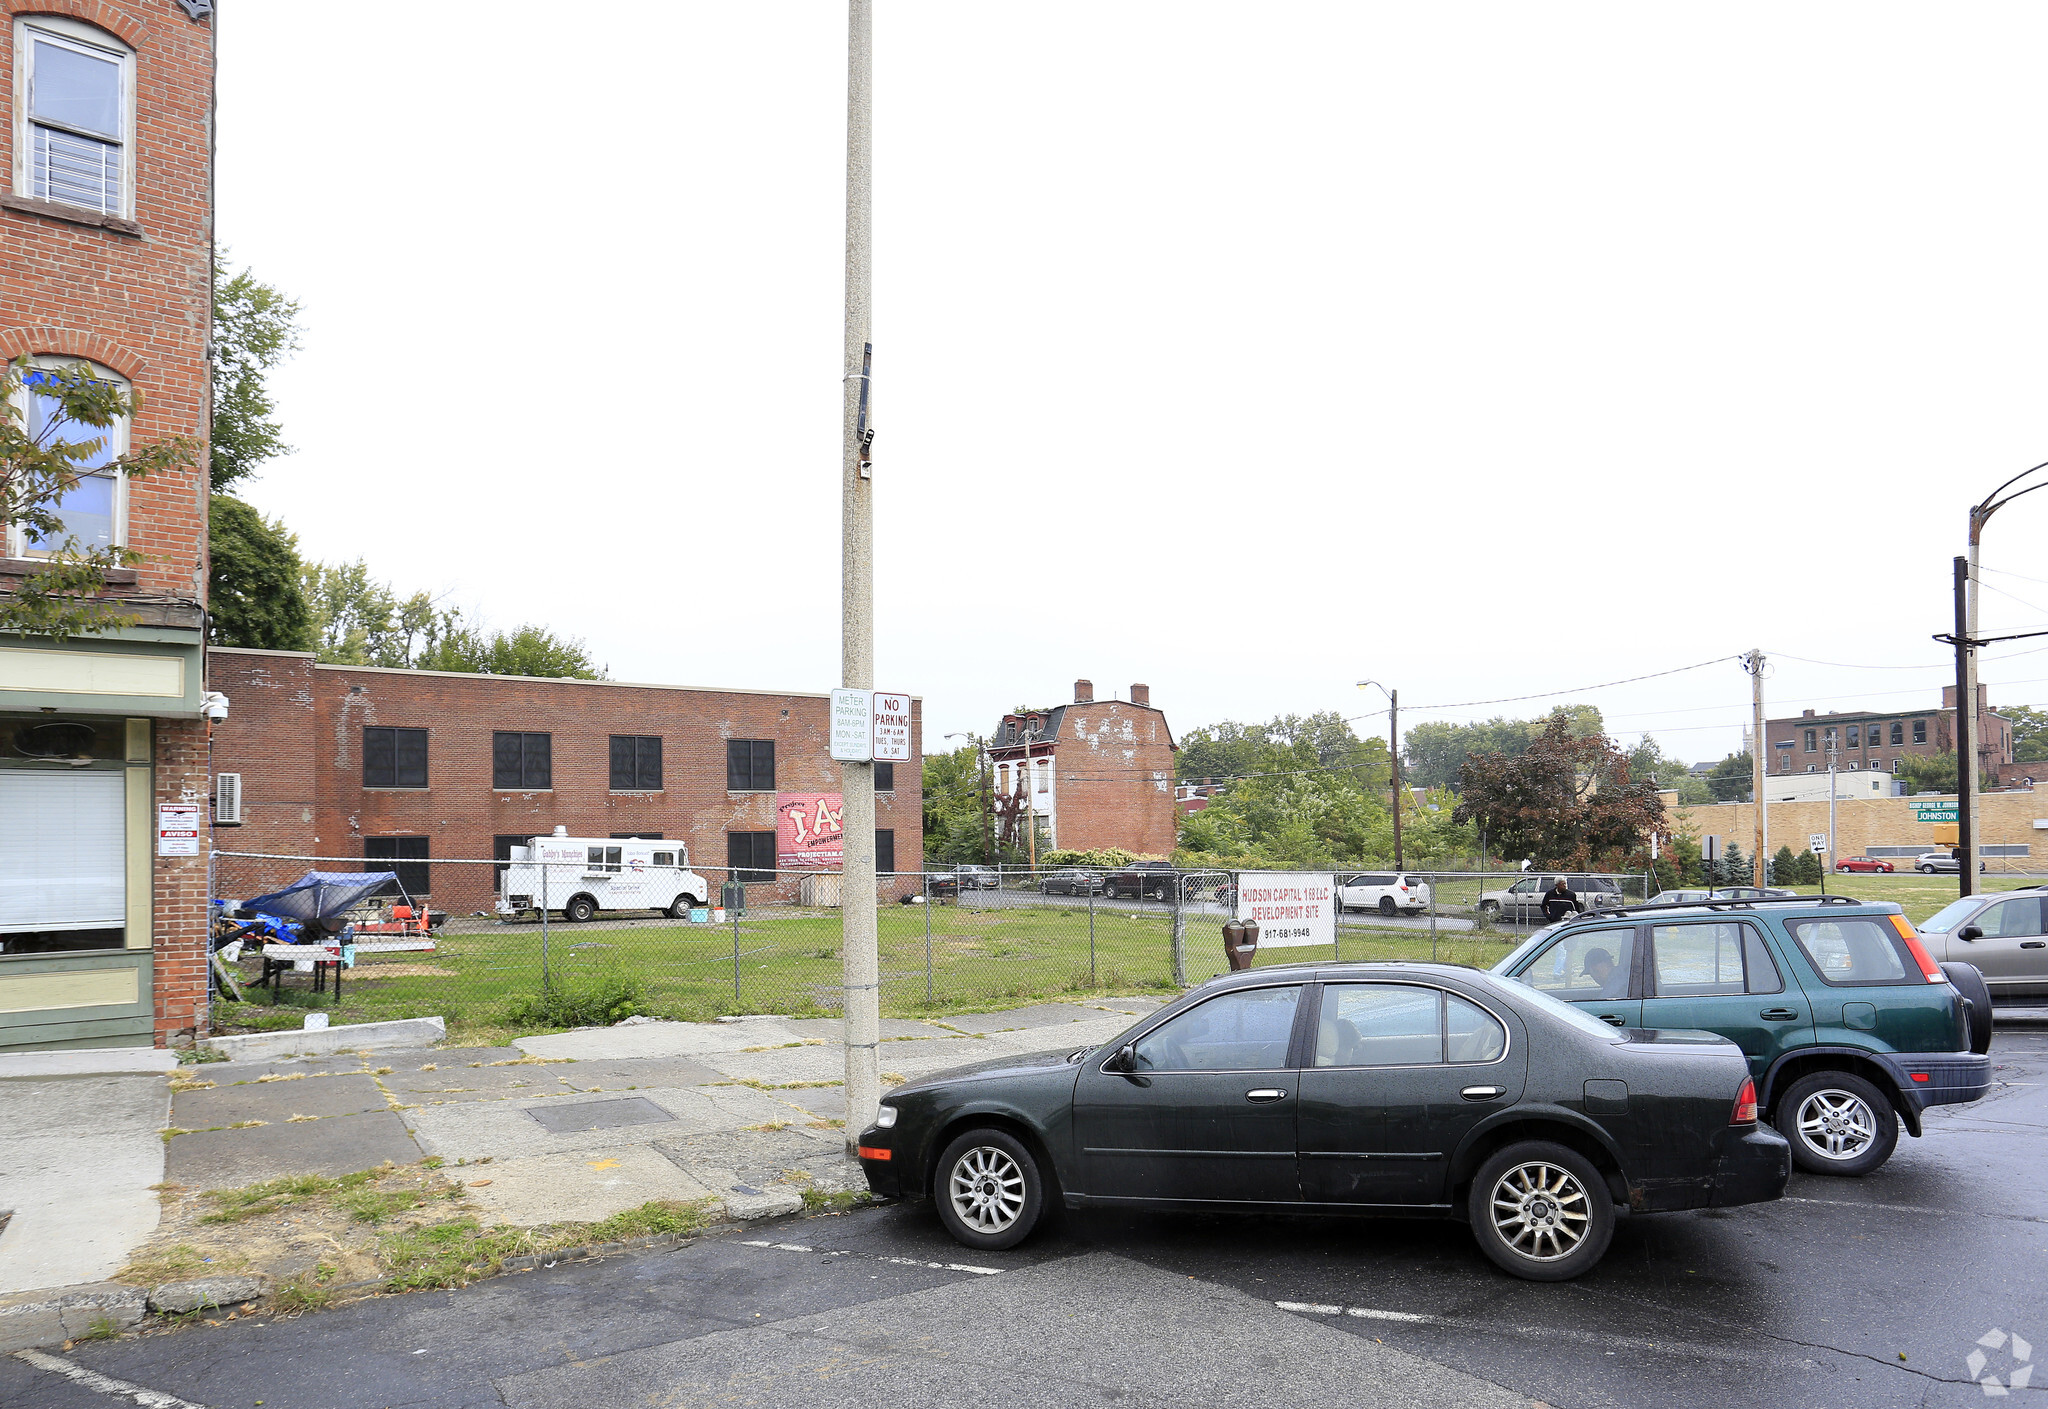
{"type": "Point", "coordinates": [1384, 891]}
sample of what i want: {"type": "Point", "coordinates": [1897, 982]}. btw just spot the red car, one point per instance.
{"type": "Point", "coordinates": [1862, 863]}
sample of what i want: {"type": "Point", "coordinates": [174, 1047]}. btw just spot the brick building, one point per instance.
{"type": "Point", "coordinates": [106, 235]}
{"type": "Point", "coordinates": [1864, 741]}
{"type": "Point", "coordinates": [397, 768]}
{"type": "Point", "coordinates": [1094, 773]}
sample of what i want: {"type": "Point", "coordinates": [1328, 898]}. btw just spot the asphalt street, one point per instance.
{"type": "Point", "coordinates": [1846, 1293]}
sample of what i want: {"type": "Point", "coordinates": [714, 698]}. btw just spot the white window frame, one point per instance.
{"type": "Point", "coordinates": [71, 34]}
{"type": "Point", "coordinates": [15, 542]}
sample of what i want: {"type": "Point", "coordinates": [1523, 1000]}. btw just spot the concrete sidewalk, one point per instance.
{"type": "Point", "coordinates": [569, 1127]}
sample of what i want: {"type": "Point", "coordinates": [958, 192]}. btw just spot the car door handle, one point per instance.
{"type": "Point", "coordinates": [1266, 1093]}
{"type": "Point", "coordinates": [2034, 944]}
{"type": "Point", "coordinates": [1778, 1015]}
{"type": "Point", "coordinates": [1482, 1093]}
{"type": "Point", "coordinates": [1615, 1018]}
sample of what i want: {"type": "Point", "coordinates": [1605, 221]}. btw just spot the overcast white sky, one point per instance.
{"type": "Point", "coordinates": [1243, 350]}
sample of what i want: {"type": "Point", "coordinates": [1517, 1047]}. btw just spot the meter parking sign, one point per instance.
{"type": "Point", "coordinates": [870, 725]}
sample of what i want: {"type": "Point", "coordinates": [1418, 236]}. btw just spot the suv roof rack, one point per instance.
{"type": "Point", "coordinates": [1728, 903]}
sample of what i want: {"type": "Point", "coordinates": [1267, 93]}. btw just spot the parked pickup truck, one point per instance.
{"type": "Point", "coordinates": [1154, 880]}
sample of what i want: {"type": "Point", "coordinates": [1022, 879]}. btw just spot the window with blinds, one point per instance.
{"type": "Point", "coordinates": [77, 118]}
{"type": "Point", "coordinates": [63, 852]}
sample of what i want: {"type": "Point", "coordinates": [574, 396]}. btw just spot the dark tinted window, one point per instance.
{"type": "Point", "coordinates": [885, 777]}
{"type": "Point", "coordinates": [636, 763]}
{"type": "Point", "coordinates": [750, 765]}
{"type": "Point", "coordinates": [522, 760]}
{"type": "Point", "coordinates": [885, 850]}
{"type": "Point", "coordinates": [501, 852]}
{"type": "Point", "coordinates": [751, 855]}
{"type": "Point", "coordinates": [1245, 1031]}
{"type": "Point", "coordinates": [1898, 734]}
{"type": "Point", "coordinates": [394, 758]}
{"type": "Point", "coordinates": [405, 855]}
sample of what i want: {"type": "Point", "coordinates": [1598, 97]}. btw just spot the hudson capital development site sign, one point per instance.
{"type": "Point", "coordinates": [1293, 910]}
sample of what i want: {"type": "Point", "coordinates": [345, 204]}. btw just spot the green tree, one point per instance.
{"type": "Point", "coordinates": [1733, 778]}
{"type": "Point", "coordinates": [953, 807]}
{"type": "Point", "coordinates": [254, 328]}
{"type": "Point", "coordinates": [1568, 800]}
{"type": "Point", "coordinates": [255, 596]}
{"type": "Point", "coordinates": [358, 620]}
{"type": "Point", "coordinates": [54, 431]}
{"type": "Point", "coordinates": [1733, 869]}
{"type": "Point", "coordinates": [1435, 753]}
{"type": "Point", "coordinates": [2029, 733]}
{"type": "Point", "coordinates": [1785, 869]}
{"type": "Point", "coordinates": [450, 643]}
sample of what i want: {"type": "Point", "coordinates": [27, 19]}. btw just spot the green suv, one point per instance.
{"type": "Point", "coordinates": [1850, 1026]}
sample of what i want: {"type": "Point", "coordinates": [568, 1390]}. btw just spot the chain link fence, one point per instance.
{"type": "Point", "coordinates": [488, 943]}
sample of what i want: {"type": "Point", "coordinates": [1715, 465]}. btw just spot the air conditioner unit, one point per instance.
{"type": "Point", "coordinates": [227, 800]}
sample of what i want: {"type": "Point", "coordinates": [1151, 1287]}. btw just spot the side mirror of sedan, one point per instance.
{"type": "Point", "coordinates": [1126, 1058]}
{"type": "Point", "coordinates": [1969, 932]}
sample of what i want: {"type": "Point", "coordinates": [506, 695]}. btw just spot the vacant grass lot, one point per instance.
{"type": "Point", "coordinates": [788, 962]}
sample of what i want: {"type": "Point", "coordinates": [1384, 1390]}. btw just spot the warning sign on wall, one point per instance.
{"type": "Point", "coordinates": [177, 829]}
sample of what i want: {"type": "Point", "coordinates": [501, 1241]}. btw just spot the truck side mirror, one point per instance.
{"type": "Point", "coordinates": [1969, 932]}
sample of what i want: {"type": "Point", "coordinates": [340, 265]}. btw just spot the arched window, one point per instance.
{"type": "Point", "coordinates": [94, 510]}
{"type": "Point", "coordinates": [1898, 733]}
{"type": "Point", "coordinates": [75, 100]}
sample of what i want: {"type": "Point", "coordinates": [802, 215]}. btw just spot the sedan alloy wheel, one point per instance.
{"type": "Point", "coordinates": [1541, 1211]}
{"type": "Point", "coordinates": [990, 1192]}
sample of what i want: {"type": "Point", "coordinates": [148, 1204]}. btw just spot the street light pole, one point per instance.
{"type": "Point", "coordinates": [1394, 742]}
{"type": "Point", "coordinates": [1966, 674]}
{"type": "Point", "coordinates": [861, 961]}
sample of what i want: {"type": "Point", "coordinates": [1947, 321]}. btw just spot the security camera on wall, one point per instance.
{"type": "Point", "coordinates": [214, 705]}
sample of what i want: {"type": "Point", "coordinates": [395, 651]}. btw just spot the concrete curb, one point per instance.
{"type": "Point", "coordinates": [86, 1061]}
{"type": "Point", "coordinates": [319, 1042]}
{"type": "Point", "coordinates": [31, 1320]}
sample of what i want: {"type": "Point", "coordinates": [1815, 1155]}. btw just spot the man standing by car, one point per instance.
{"type": "Point", "coordinates": [1559, 903]}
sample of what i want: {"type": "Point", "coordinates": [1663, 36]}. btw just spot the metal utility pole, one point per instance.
{"type": "Point", "coordinates": [861, 956]}
{"type": "Point", "coordinates": [1966, 720]}
{"type": "Point", "coordinates": [1394, 743]}
{"type": "Point", "coordinates": [1754, 664]}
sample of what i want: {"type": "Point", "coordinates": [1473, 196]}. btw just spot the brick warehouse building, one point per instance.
{"type": "Point", "coordinates": [1876, 741]}
{"type": "Point", "coordinates": [105, 258]}
{"type": "Point", "coordinates": [1091, 774]}
{"type": "Point", "coordinates": [399, 767]}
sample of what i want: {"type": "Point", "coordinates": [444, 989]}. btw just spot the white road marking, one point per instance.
{"type": "Point", "coordinates": [899, 1261]}
{"type": "Point", "coordinates": [104, 1384]}
{"type": "Point", "coordinates": [1917, 1209]}
{"type": "Point", "coordinates": [1744, 1356]}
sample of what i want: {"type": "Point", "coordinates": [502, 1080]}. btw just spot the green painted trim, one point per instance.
{"type": "Point", "coordinates": [104, 1032]}
{"type": "Point", "coordinates": [141, 887]}
{"type": "Point", "coordinates": [135, 640]}
{"type": "Point", "coordinates": [38, 1026]}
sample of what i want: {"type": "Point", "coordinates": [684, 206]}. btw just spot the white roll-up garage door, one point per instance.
{"type": "Point", "coordinates": [62, 851]}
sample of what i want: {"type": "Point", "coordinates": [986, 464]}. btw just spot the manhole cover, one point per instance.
{"type": "Point", "coordinates": [598, 1115]}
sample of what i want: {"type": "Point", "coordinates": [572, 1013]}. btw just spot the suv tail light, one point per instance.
{"type": "Point", "coordinates": [1918, 950]}
{"type": "Point", "coordinates": [1745, 1105]}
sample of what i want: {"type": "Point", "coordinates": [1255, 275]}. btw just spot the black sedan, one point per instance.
{"type": "Point", "coordinates": [1345, 1088]}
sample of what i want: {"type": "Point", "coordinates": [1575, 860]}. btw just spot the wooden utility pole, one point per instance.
{"type": "Point", "coordinates": [1755, 666]}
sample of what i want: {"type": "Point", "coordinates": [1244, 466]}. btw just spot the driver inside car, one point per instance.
{"type": "Point", "coordinates": [1600, 968]}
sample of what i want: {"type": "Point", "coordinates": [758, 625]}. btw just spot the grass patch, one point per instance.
{"type": "Point", "coordinates": [306, 1292]}
{"type": "Point", "coordinates": [101, 1329]}
{"type": "Point", "coordinates": [818, 1201]}
{"type": "Point", "coordinates": [377, 1205]}
{"type": "Point", "coordinates": [176, 1264]}
{"type": "Point", "coordinates": [238, 1205]}
{"type": "Point", "coordinates": [653, 1220]}
{"type": "Point", "coordinates": [199, 1056]}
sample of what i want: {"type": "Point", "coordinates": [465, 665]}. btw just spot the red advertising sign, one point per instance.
{"type": "Point", "coordinates": [810, 830]}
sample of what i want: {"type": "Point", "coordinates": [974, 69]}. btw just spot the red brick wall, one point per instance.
{"type": "Point", "coordinates": [179, 929]}
{"type": "Point", "coordinates": [1113, 772]}
{"type": "Point", "coordinates": [140, 304]}
{"type": "Point", "coordinates": [295, 733]}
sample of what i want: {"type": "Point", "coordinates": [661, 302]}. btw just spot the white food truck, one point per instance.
{"type": "Point", "coordinates": [579, 876]}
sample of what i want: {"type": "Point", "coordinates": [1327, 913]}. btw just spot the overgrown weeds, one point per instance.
{"type": "Point", "coordinates": [237, 1205]}
{"type": "Point", "coordinates": [607, 999]}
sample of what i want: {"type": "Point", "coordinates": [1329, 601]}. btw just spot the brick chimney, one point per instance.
{"type": "Point", "coordinates": [1084, 692]}
{"type": "Point", "coordinates": [1141, 695]}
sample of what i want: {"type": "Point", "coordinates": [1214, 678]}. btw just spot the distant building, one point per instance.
{"type": "Point", "coordinates": [1091, 774]}
{"type": "Point", "coordinates": [1865, 741]}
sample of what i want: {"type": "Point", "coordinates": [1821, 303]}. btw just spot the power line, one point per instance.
{"type": "Point", "coordinates": [1846, 665]}
{"type": "Point", "coordinates": [1553, 694]}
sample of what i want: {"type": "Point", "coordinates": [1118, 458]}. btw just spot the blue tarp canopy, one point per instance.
{"type": "Point", "coordinates": [320, 895]}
